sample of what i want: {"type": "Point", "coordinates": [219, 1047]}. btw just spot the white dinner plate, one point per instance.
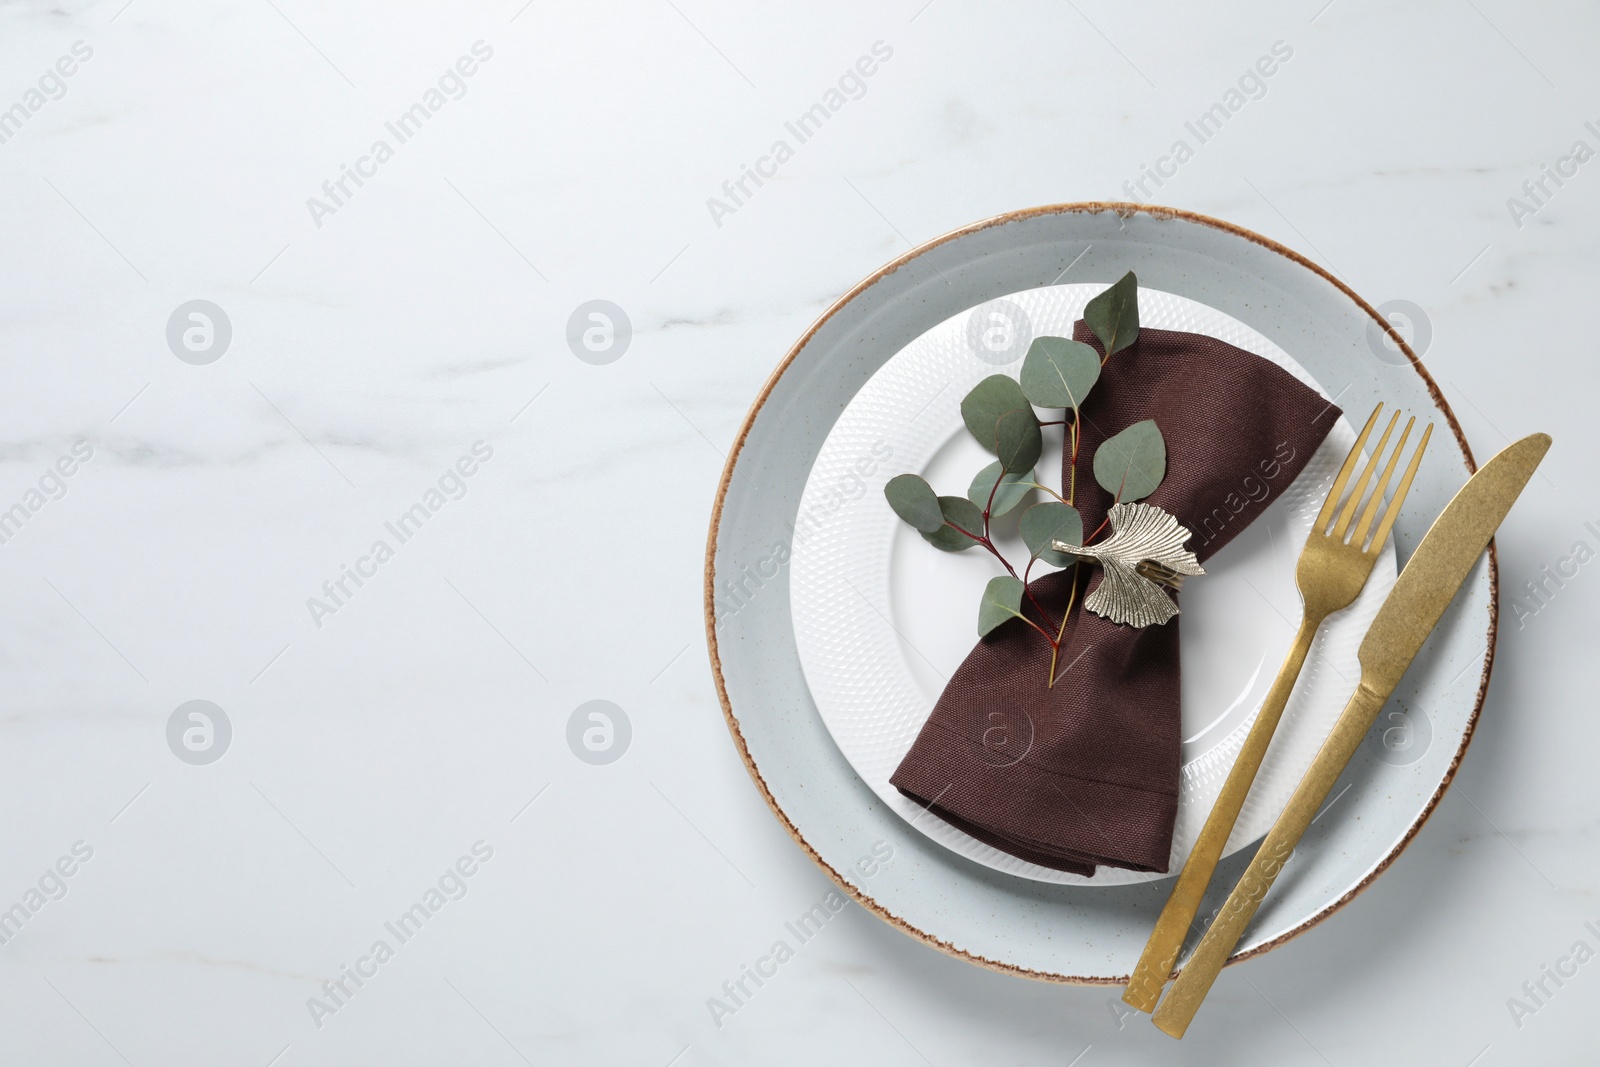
{"type": "Point", "coordinates": [882, 619]}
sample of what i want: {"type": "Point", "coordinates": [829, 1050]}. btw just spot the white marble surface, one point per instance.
{"type": "Point", "coordinates": [369, 353]}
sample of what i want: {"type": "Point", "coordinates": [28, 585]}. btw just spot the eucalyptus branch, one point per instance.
{"type": "Point", "coordinates": [1061, 635]}
{"type": "Point", "coordinates": [1046, 489]}
{"type": "Point", "coordinates": [1072, 483]}
{"type": "Point", "coordinates": [1057, 373]}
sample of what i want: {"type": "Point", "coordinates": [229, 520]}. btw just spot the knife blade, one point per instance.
{"type": "Point", "coordinates": [1413, 608]}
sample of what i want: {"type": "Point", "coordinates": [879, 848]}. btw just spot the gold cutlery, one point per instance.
{"type": "Point", "coordinates": [1330, 575]}
{"type": "Point", "coordinates": [1429, 582]}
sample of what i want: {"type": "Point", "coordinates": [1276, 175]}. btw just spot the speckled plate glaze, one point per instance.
{"type": "Point", "coordinates": [1069, 932]}
{"type": "Point", "coordinates": [882, 619]}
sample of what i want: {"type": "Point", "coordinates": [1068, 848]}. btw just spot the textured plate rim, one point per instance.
{"type": "Point", "coordinates": [1093, 207]}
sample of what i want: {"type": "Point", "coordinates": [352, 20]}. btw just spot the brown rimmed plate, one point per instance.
{"type": "Point", "coordinates": [1071, 933]}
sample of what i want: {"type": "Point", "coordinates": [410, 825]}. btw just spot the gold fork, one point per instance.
{"type": "Point", "coordinates": [1330, 575]}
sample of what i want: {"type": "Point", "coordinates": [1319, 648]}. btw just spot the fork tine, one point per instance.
{"type": "Point", "coordinates": [1360, 536]}
{"type": "Point", "coordinates": [1401, 490]}
{"type": "Point", "coordinates": [1334, 494]}
{"type": "Point", "coordinates": [1361, 484]}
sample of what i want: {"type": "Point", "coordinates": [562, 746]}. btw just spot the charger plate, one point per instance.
{"type": "Point", "coordinates": [1061, 932]}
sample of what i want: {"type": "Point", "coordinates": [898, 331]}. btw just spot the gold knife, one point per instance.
{"type": "Point", "coordinates": [1425, 588]}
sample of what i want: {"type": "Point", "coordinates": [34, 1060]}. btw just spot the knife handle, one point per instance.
{"type": "Point", "coordinates": [1202, 968]}
{"type": "Point", "coordinates": [1166, 940]}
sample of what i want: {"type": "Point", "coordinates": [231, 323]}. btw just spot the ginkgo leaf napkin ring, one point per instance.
{"type": "Point", "coordinates": [1144, 552]}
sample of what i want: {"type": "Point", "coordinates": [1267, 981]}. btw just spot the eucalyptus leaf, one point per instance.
{"type": "Point", "coordinates": [914, 500]}
{"type": "Point", "coordinates": [1058, 372]}
{"type": "Point", "coordinates": [990, 399]}
{"type": "Point", "coordinates": [1019, 439]}
{"type": "Point", "coordinates": [1132, 463]}
{"type": "Point", "coordinates": [1114, 315]}
{"type": "Point", "coordinates": [1013, 488]}
{"type": "Point", "coordinates": [1048, 522]}
{"type": "Point", "coordinates": [947, 539]}
{"type": "Point", "coordinates": [961, 512]}
{"type": "Point", "coordinates": [1002, 600]}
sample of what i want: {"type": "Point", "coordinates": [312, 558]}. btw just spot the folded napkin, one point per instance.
{"type": "Point", "coordinates": [1086, 773]}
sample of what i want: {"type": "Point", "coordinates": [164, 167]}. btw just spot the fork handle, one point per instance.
{"type": "Point", "coordinates": [1166, 940]}
{"type": "Point", "coordinates": [1202, 968]}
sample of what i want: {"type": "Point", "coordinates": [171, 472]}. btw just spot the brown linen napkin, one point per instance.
{"type": "Point", "coordinates": [1086, 772]}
